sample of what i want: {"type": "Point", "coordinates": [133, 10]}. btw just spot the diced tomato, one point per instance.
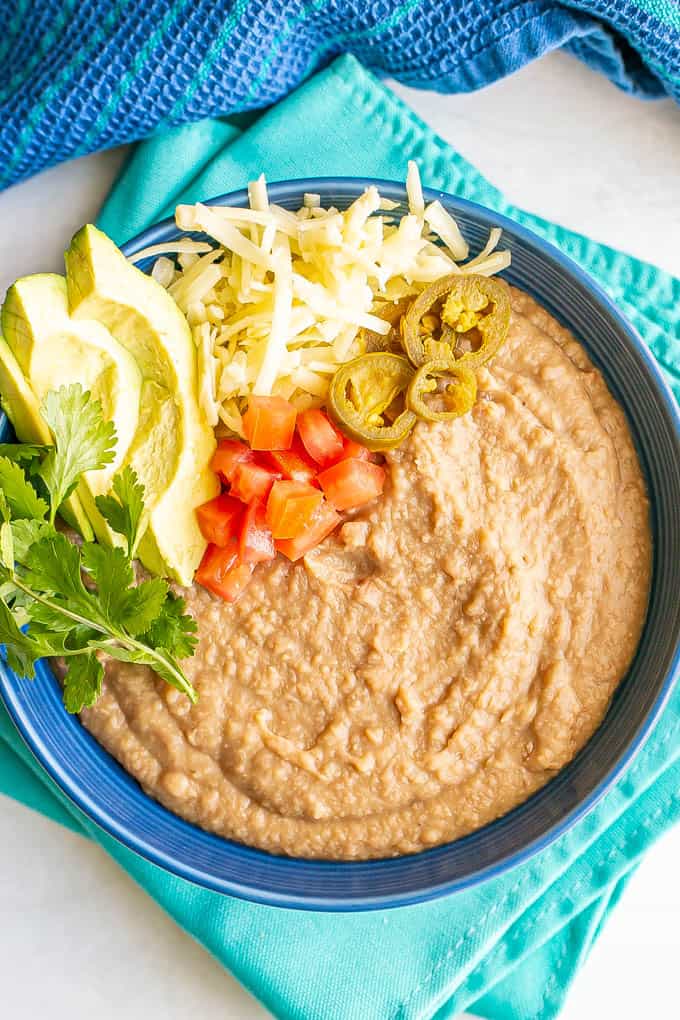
{"type": "Point", "coordinates": [269, 423]}
{"type": "Point", "coordinates": [290, 507]}
{"type": "Point", "coordinates": [252, 481]}
{"type": "Point", "coordinates": [324, 521]}
{"type": "Point", "coordinates": [256, 544]}
{"type": "Point", "coordinates": [222, 572]}
{"type": "Point", "coordinates": [351, 483]}
{"type": "Point", "coordinates": [216, 562]}
{"type": "Point", "coordinates": [351, 449]}
{"type": "Point", "coordinates": [295, 464]}
{"type": "Point", "coordinates": [220, 519]}
{"type": "Point", "coordinates": [320, 438]}
{"type": "Point", "coordinates": [234, 582]}
{"type": "Point", "coordinates": [229, 453]}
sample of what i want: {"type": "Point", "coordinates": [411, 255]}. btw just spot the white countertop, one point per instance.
{"type": "Point", "coordinates": [78, 939]}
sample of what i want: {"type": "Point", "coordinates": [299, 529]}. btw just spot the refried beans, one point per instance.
{"type": "Point", "coordinates": [438, 659]}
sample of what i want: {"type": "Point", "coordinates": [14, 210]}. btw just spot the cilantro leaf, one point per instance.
{"type": "Point", "coordinates": [20, 496]}
{"type": "Point", "coordinates": [53, 565]}
{"type": "Point", "coordinates": [112, 570]}
{"type": "Point", "coordinates": [50, 618]}
{"type": "Point", "coordinates": [174, 630]}
{"type": "Point", "coordinates": [50, 642]}
{"type": "Point", "coordinates": [26, 534]}
{"type": "Point", "coordinates": [83, 682]}
{"type": "Point", "coordinates": [11, 594]}
{"type": "Point", "coordinates": [143, 605]}
{"type": "Point", "coordinates": [23, 451]}
{"type": "Point", "coordinates": [49, 622]}
{"type": "Point", "coordinates": [6, 545]}
{"type": "Point", "coordinates": [17, 601]}
{"type": "Point", "coordinates": [159, 661]}
{"type": "Point", "coordinates": [6, 539]}
{"type": "Point", "coordinates": [124, 604]}
{"type": "Point", "coordinates": [21, 651]}
{"type": "Point", "coordinates": [124, 510]}
{"type": "Point", "coordinates": [84, 441]}
{"type": "Point", "coordinates": [105, 618]}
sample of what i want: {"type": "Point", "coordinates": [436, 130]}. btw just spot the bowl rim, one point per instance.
{"type": "Point", "coordinates": [98, 813]}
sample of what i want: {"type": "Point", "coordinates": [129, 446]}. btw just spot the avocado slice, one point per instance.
{"type": "Point", "coordinates": [173, 446]}
{"type": "Point", "coordinates": [53, 349]}
{"type": "Point", "coordinates": [23, 410]}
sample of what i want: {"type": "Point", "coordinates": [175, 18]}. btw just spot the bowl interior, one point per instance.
{"type": "Point", "coordinates": [93, 781]}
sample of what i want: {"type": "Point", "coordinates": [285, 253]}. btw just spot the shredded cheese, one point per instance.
{"type": "Point", "coordinates": [414, 191]}
{"type": "Point", "coordinates": [280, 299]}
{"type": "Point", "coordinates": [279, 333]}
{"type": "Point", "coordinates": [257, 194]}
{"type": "Point", "coordinates": [446, 228]}
{"type": "Point", "coordinates": [163, 271]}
{"type": "Point", "coordinates": [182, 246]}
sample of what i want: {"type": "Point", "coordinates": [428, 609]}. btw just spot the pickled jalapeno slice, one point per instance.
{"type": "Point", "coordinates": [442, 390]}
{"type": "Point", "coordinates": [470, 308]}
{"type": "Point", "coordinates": [362, 394]}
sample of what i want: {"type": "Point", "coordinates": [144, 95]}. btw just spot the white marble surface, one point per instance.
{"type": "Point", "coordinates": [77, 938]}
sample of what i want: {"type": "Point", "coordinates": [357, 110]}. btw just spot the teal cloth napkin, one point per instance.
{"type": "Point", "coordinates": [508, 948]}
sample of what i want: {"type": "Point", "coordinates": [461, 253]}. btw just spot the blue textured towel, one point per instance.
{"type": "Point", "coordinates": [83, 75]}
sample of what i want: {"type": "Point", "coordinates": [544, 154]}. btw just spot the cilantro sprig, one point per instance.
{"type": "Point", "coordinates": [84, 441]}
{"type": "Point", "coordinates": [76, 602]}
{"type": "Point", "coordinates": [124, 508]}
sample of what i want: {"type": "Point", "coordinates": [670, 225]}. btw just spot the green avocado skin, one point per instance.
{"type": "Point", "coordinates": [173, 446]}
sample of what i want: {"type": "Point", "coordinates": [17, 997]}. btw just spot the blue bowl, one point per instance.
{"type": "Point", "coordinates": [93, 781]}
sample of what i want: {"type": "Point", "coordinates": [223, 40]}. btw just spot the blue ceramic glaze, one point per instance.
{"type": "Point", "coordinates": [112, 799]}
